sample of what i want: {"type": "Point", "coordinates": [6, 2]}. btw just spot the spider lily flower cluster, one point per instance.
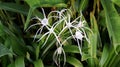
{"type": "Point", "coordinates": [75, 27]}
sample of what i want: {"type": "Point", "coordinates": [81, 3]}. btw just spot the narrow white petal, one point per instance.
{"type": "Point", "coordinates": [33, 25]}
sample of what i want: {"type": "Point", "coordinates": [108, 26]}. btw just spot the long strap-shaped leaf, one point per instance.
{"type": "Point", "coordinates": [4, 50]}
{"type": "Point", "coordinates": [19, 62]}
{"type": "Point", "coordinates": [112, 22]}
{"type": "Point", "coordinates": [14, 7]}
{"type": "Point", "coordinates": [117, 2]}
{"type": "Point", "coordinates": [38, 63]}
{"type": "Point", "coordinates": [75, 62]}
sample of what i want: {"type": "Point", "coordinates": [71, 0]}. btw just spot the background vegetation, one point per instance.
{"type": "Point", "coordinates": [17, 48]}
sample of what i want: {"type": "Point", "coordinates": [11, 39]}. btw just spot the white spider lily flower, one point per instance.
{"type": "Point", "coordinates": [57, 56]}
{"type": "Point", "coordinates": [59, 50]}
{"type": "Point", "coordinates": [43, 23]}
{"type": "Point", "coordinates": [81, 26]}
{"type": "Point", "coordinates": [50, 31]}
{"type": "Point", "coordinates": [61, 15]}
{"type": "Point", "coordinates": [76, 29]}
{"type": "Point", "coordinates": [80, 32]}
{"type": "Point", "coordinates": [68, 26]}
{"type": "Point", "coordinates": [79, 36]}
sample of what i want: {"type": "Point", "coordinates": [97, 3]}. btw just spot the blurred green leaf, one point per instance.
{"type": "Point", "coordinates": [94, 41]}
{"type": "Point", "coordinates": [85, 57]}
{"type": "Point", "coordinates": [13, 41]}
{"type": "Point", "coordinates": [37, 51]}
{"type": "Point", "coordinates": [75, 62]}
{"type": "Point", "coordinates": [46, 3]}
{"type": "Point", "coordinates": [83, 4]}
{"type": "Point", "coordinates": [14, 7]}
{"type": "Point", "coordinates": [93, 37]}
{"type": "Point", "coordinates": [50, 45]}
{"type": "Point", "coordinates": [19, 62]}
{"type": "Point", "coordinates": [11, 65]}
{"type": "Point", "coordinates": [38, 63]}
{"type": "Point", "coordinates": [4, 50]}
{"type": "Point", "coordinates": [33, 3]}
{"type": "Point", "coordinates": [28, 18]}
{"type": "Point", "coordinates": [18, 48]}
{"type": "Point", "coordinates": [117, 2]}
{"type": "Point", "coordinates": [112, 22]}
{"type": "Point", "coordinates": [71, 49]}
{"type": "Point", "coordinates": [105, 55]}
{"type": "Point", "coordinates": [113, 58]}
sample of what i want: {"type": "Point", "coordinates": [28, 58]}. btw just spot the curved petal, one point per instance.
{"type": "Point", "coordinates": [33, 25]}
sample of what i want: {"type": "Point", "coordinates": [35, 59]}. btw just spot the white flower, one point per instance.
{"type": "Point", "coordinates": [57, 56]}
{"type": "Point", "coordinates": [68, 26]}
{"type": "Point", "coordinates": [50, 31]}
{"type": "Point", "coordinates": [78, 35]}
{"type": "Point", "coordinates": [81, 24]}
{"type": "Point", "coordinates": [42, 22]}
{"type": "Point", "coordinates": [75, 28]}
{"type": "Point", "coordinates": [81, 27]}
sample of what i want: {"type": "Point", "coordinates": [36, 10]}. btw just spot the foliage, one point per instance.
{"type": "Point", "coordinates": [62, 33]}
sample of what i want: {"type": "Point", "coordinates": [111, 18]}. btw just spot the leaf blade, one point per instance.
{"type": "Point", "coordinates": [38, 63]}
{"type": "Point", "coordinates": [19, 62]}
{"type": "Point", "coordinates": [112, 22]}
{"type": "Point", "coordinates": [75, 62]}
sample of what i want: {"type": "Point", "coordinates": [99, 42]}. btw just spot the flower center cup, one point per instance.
{"type": "Point", "coordinates": [44, 21]}
{"type": "Point", "coordinates": [79, 35]}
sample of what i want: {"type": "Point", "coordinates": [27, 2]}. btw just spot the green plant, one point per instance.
{"type": "Point", "coordinates": [79, 33]}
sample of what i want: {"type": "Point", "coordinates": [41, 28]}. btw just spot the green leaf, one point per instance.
{"type": "Point", "coordinates": [49, 46]}
{"type": "Point", "coordinates": [85, 57]}
{"type": "Point", "coordinates": [83, 4]}
{"type": "Point", "coordinates": [46, 3]}
{"type": "Point", "coordinates": [73, 61]}
{"type": "Point", "coordinates": [14, 7]}
{"type": "Point", "coordinates": [94, 41]}
{"type": "Point", "coordinates": [71, 49]}
{"type": "Point", "coordinates": [117, 2]}
{"type": "Point", "coordinates": [13, 41]}
{"type": "Point", "coordinates": [11, 65]}
{"type": "Point", "coordinates": [105, 55]}
{"type": "Point", "coordinates": [19, 62]}
{"type": "Point", "coordinates": [37, 51]}
{"type": "Point", "coordinates": [18, 47]}
{"type": "Point", "coordinates": [33, 3]}
{"type": "Point", "coordinates": [38, 63]}
{"type": "Point", "coordinates": [113, 58]}
{"type": "Point", "coordinates": [112, 22]}
{"type": "Point", "coordinates": [4, 50]}
{"type": "Point", "coordinates": [93, 37]}
{"type": "Point", "coordinates": [28, 18]}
